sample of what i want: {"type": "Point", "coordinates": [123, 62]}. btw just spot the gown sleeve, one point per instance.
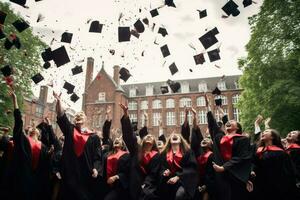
{"type": "Point", "coordinates": [129, 136]}
{"type": "Point", "coordinates": [18, 134]}
{"type": "Point", "coordinates": [196, 140]}
{"type": "Point", "coordinates": [65, 125]}
{"type": "Point", "coordinates": [97, 158]}
{"type": "Point", "coordinates": [106, 132]}
{"type": "Point", "coordinates": [185, 131]}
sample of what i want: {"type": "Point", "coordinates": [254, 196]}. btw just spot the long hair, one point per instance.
{"type": "Point", "coordinates": [123, 147]}
{"type": "Point", "coordinates": [276, 141]}
{"type": "Point", "coordinates": [298, 138]}
{"type": "Point", "coordinates": [154, 146]}
{"type": "Point", "coordinates": [184, 146]}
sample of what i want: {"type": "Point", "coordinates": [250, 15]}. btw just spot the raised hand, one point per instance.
{"type": "Point", "coordinates": [259, 119]}
{"type": "Point", "coordinates": [124, 108]}
{"type": "Point", "coordinates": [108, 110]}
{"type": "Point", "coordinates": [267, 123]}
{"type": "Point", "coordinates": [56, 96]}
{"type": "Point", "coordinates": [193, 111]}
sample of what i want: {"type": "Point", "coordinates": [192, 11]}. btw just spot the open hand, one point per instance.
{"type": "Point", "coordinates": [124, 108]}
{"type": "Point", "coordinates": [218, 168]}
{"type": "Point", "coordinates": [173, 180]}
{"type": "Point", "coordinates": [95, 173]}
{"type": "Point", "coordinates": [56, 96]}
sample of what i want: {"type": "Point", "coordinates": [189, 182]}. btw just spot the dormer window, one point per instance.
{"type": "Point", "coordinates": [132, 92]}
{"type": "Point", "coordinates": [185, 88]}
{"type": "Point", "coordinates": [149, 90]}
{"type": "Point", "coordinates": [101, 96]}
{"type": "Point", "coordinates": [202, 87]}
{"type": "Point", "coordinates": [236, 85]}
{"type": "Point", "coordinates": [222, 85]}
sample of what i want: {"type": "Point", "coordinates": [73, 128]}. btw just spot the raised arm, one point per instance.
{"type": "Point", "coordinates": [196, 135]}
{"type": "Point", "coordinates": [257, 131]}
{"type": "Point", "coordinates": [18, 128]}
{"type": "Point", "coordinates": [224, 116]}
{"type": "Point", "coordinates": [161, 135]}
{"type": "Point", "coordinates": [106, 126]}
{"type": "Point", "coordinates": [212, 124]}
{"type": "Point", "coordinates": [185, 127]}
{"type": "Point", "coordinates": [144, 131]}
{"type": "Point", "coordinates": [128, 134]}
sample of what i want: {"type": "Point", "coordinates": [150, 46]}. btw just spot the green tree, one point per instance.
{"type": "Point", "coordinates": [26, 62]}
{"type": "Point", "coordinates": [272, 67]}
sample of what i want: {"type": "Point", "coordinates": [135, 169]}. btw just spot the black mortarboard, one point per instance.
{"type": "Point", "coordinates": [2, 17]}
{"type": "Point", "coordinates": [74, 97]}
{"type": "Point", "coordinates": [218, 102]}
{"type": "Point", "coordinates": [214, 31]}
{"type": "Point", "coordinates": [69, 87]}
{"type": "Point", "coordinates": [96, 27]}
{"type": "Point", "coordinates": [216, 91]}
{"type": "Point", "coordinates": [173, 68]}
{"type": "Point", "coordinates": [124, 34]}
{"type": "Point", "coordinates": [6, 70]}
{"type": "Point", "coordinates": [170, 3]}
{"type": "Point", "coordinates": [47, 55]}
{"type": "Point", "coordinates": [154, 13]}
{"type": "Point", "coordinates": [175, 86]}
{"type": "Point", "coordinates": [77, 70]}
{"type": "Point", "coordinates": [208, 39]}
{"type": "Point", "coordinates": [199, 59]}
{"type": "Point", "coordinates": [247, 3]}
{"type": "Point", "coordinates": [139, 26]}
{"type": "Point", "coordinates": [40, 18]}
{"type": "Point", "coordinates": [60, 56]}
{"type": "Point", "coordinates": [135, 33]}
{"type": "Point", "coordinates": [20, 25]}
{"type": "Point", "coordinates": [162, 31]}
{"type": "Point", "coordinates": [8, 44]}
{"type": "Point", "coordinates": [66, 37]}
{"type": "Point", "coordinates": [146, 21]}
{"type": "Point", "coordinates": [124, 74]}
{"type": "Point", "coordinates": [214, 55]}
{"type": "Point", "coordinates": [134, 126]}
{"type": "Point", "coordinates": [164, 89]}
{"type": "Point", "coordinates": [230, 8]}
{"type": "Point", "coordinates": [47, 65]}
{"type": "Point", "coordinates": [14, 42]}
{"type": "Point", "coordinates": [202, 13]}
{"type": "Point", "coordinates": [2, 35]}
{"type": "Point", "coordinates": [19, 2]}
{"type": "Point", "coordinates": [37, 78]}
{"type": "Point", "coordinates": [165, 50]}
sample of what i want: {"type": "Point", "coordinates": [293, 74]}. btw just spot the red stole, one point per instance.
{"type": "Point", "coordinates": [36, 147]}
{"type": "Point", "coordinates": [226, 146]}
{"type": "Point", "coordinates": [174, 160]}
{"type": "Point", "coordinates": [202, 161]}
{"type": "Point", "coordinates": [291, 147]}
{"type": "Point", "coordinates": [147, 157]}
{"type": "Point", "coordinates": [79, 141]}
{"type": "Point", "coordinates": [261, 150]}
{"type": "Point", "coordinates": [112, 163]}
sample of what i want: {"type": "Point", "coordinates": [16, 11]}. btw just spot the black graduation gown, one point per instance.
{"type": "Point", "coordinates": [29, 184]}
{"type": "Point", "coordinates": [107, 143]}
{"type": "Point", "coordinates": [137, 178]}
{"type": "Point", "coordinates": [188, 177]}
{"type": "Point", "coordinates": [231, 184]}
{"type": "Point", "coordinates": [122, 184]}
{"type": "Point", "coordinates": [275, 178]}
{"type": "Point", "coordinates": [76, 172]}
{"type": "Point", "coordinates": [294, 154]}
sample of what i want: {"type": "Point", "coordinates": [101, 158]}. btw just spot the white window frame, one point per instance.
{"type": "Point", "coordinates": [170, 118]}
{"type": "Point", "coordinates": [156, 117]}
{"type": "Point", "coordinates": [170, 103]}
{"type": "Point", "coordinates": [202, 116]}
{"type": "Point", "coordinates": [185, 87]}
{"type": "Point", "coordinates": [132, 92]}
{"type": "Point", "coordinates": [201, 101]}
{"type": "Point", "coordinates": [133, 117]}
{"type": "Point", "coordinates": [185, 101]}
{"type": "Point", "coordinates": [144, 105]}
{"type": "Point", "coordinates": [132, 105]}
{"type": "Point", "coordinates": [156, 104]}
{"type": "Point", "coordinates": [235, 99]}
{"type": "Point", "coordinates": [101, 96]}
{"type": "Point", "coordinates": [202, 87]}
{"type": "Point", "coordinates": [236, 114]}
{"type": "Point", "coordinates": [218, 114]}
{"type": "Point", "coordinates": [221, 85]}
{"type": "Point", "coordinates": [223, 98]}
{"type": "Point", "coordinates": [149, 90]}
{"type": "Point", "coordinates": [182, 115]}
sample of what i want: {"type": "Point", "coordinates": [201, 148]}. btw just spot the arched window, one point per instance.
{"type": "Point", "coordinates": [201, 101]}
{"type": "Point", "coordinates": [185, 102]}
{"type": "Point", "coordinates": [170, 103]}
{"type": "Point", "coordinates": [235, 99]}
{"type": "Point", "coordinates": [144, 105]}
{"type": "Point", "coordinates": [223, 98]}
{"type": "Point", "coordinates": [132, 105]}
{"type": "Point", "coordinates": [156, 104]}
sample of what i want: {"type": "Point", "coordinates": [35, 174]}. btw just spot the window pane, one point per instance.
{"type": "Point", "coordinates": [201, 101]}
{"type": "Point", "coordinates": [171, 118]}
{"type": "Point", "coordinates": [185, 102]}
{"type": "Point", "coordinates": [156, 104]}
{"type": "Point", "coordinates": [202, 117]}
{"type": "Point", "coordinates": [132, 105]}
{"type": "Point", "coordinates": [156, 118]}
{"type": "Point", "coordinates": [170, 103]}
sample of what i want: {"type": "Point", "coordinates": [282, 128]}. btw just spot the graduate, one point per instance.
{"type": "Point", "coordinates": [107, 143]}
{"type": "Point", "coordinates": [179, 176]}
{"type": "Point", "coordinates": [145, 161]}
{"type": "Point", "coordinates": [30, 160]}
{"type": "Point", "coordinates": [81, 164]}
{"type": "Point", "coordinates": [274, 174]}
{"type": "Point", "coordinates": [232, 158]}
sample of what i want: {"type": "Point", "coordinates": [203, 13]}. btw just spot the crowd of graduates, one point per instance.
{"type": "Point", "coordinates": [224, 163]}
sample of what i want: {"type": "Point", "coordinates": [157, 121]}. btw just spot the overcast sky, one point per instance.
{"type": "Point", "coordinates": [182, 23]}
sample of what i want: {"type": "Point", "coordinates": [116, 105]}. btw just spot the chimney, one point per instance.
{"type": "Point", "coordinates": [43, 95]}
{"type": "Point", "coordinates": [116, 74]}
{"type": "Point", "coordinates": [89, 72]}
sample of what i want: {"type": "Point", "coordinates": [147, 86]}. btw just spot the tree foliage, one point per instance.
{"type": "Point", "coordinates": [25, 61]}
{"type": "Point", "coordinates": [272, 67]}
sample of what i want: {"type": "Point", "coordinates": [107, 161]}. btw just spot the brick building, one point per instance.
{"type": "Point", "coordinates": [35, 108]}
{"type": "Point", "coordinates": [105, 90]}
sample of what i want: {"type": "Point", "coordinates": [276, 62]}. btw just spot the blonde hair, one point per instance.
{"type": "Point", "coordinates": [184, 146]}
{"type": "Point", "coordinates": [80, 115]}
{"type": "Point", "coordinates": [154, 146]}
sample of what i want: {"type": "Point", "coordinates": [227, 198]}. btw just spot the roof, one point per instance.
{"type": "Point", "coordinates": [230, 82]}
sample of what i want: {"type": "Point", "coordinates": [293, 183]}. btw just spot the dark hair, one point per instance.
{"type": "Point", "coordinates": [239, 128]}
{"type": "Point", "coordinates": [276, 141]}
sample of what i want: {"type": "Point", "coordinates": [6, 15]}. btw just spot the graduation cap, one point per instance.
{"type": "Point", "coordinates": [202, 13]}
{"type": "Point", "coordinates": [60, 56]}
{"type": "Point", "coordinates": [6, 70]}
{"type": "Point", "coordinates": [40, 18]}
{"type": "Point", "coordinates": [215, 31]}
{"type": "Point", "coordinates": [124, 34]}
{"type": "Point", "coordinates": [154, 12]}
{"type": "Point", "coordinates": [134, 126]}
{"type": "Point", "coordinates": [47, 55]}
{"type": "Point", "coordinates": [66, 37]}
{"type": "Point", "coordinates": [77, 70]}
{"type": "Point", "coordinates": [165, 51]}
{"type": "Point", "coordinates": [170, 3]}
{"type": "Point", "coordinates": [135, 33]}
{"type": "Point", "coordinates": [208, 39]}
{"type": "Point", "coordinates": [20, 25]}
{"type": "Point", "coordinates": [124, 74]}
{"type": "Point", "coordinates": [173, 68]}
{"type": "Point", "coordinates": [2, 17]}
{"type": "Point", "coordinates": [96, 27]}
{"type": "Point", "coordinates": [214, 55]}
{"type": "Point", "coordinates": [162, 31]}
{"type": "Point", "coordinates": [216, 91]}
{"type": "Point", "coordinates": [139, 26]}
{"type": "Point", "coordinates": [37, 78]}
{"type": "Point", "coordinates": [218, 102]}
{"type": "Point", "coordinates": [74, 97]}
{"type": "Point", "coordinates": [199, 59]}
{"type": "Point", "coordinates": [247, 3]}
{"type": "Point", "coordinates": [19, 2]}
{"type": "Point", "coordinates": [230, 8]}
{"type": "Point", "coordinates": [164, 89]}
{"type": "Point", "coordinates": [175, 86]}
{"type": "Point", "coordinates": [47, 65]}
{"type": "Point", "coordinates": [146, 21]}
{"type": "Point", "coordinates": [15, 41]}
{"type": "Point", "coordinates": [69, 87]}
